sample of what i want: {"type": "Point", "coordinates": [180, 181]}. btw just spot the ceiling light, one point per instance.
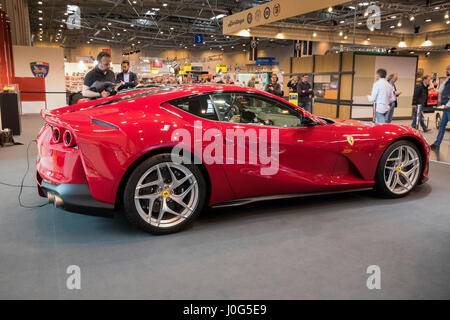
{"type": "Point", "coordinates": [411, 18]}
{"type": "Point", "coordinates": [363, 4]}
{"type": "Point", "coordinates": [436, 8]}
{"type": "Point", "coordinates": [393, 17]}
{"type": "Point", "coordinates": [359, 23]}
{"type": "Point", "coordinates": [39, 2]}
{"type": "Point", "coordinates": [40, 18]}
{"type": "Point", "coordinates": [124, 30]}
{"type": "Point", "coordinates": [185, 47]}
{"type": "Point", "coordinates": [402, 44]}
{"type": "Point", "coordinates": [368, 39]}
{"type": "Point", "coordinates": [411, 52]}
{"type": "Point", "coordinates": [392, 27]}
{"type": "Point", "coordinates": [399, 24]}
{"type": "Point", "coordinates": [342, 21]}
{"type": "Point", "coordinates": [366, 14]}
{"type": "Point", "coordinates": [345, 37]}
{"type": "Point", "coordinates": [103, 29]}
{"type": "Point", "coordinates": [446, 15]}
{"type": "Point", "coordinates": [330, 9]}
{"type": "Point", "coordinates": [448, 22]}
{"type": "Point", "coordinates": [427, 42]}
{"type": "Point", "coordinates": [109, 23]}
{"type": "Point", "coordinates": [428, 20]}
{"type": "Point", "coordinates": [162, 32]}
{"type": "Point", "coordinates": [314, 34]}
{"type": "Point", "coordinates": [164, 4]}
{"type": "Point", "coordinates": [118, 34]}
{"type": "Point", "coordinates": [132, 25]}
{"type": "Point", "coordinates": [341, 34]}
{"type": "Point", "coordinates": [40, 11]}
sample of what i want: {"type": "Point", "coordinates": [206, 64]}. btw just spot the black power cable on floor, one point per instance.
{"type": "Point", "coordinates": [23, 179]}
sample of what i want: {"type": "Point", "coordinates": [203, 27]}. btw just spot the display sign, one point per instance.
{"type": "Point", "coordinates": [221, 68]}
{"type": "Point", "coordinates": [39, 69]}
{"type": "Point", "coordinates": [273, 11]}
{"type": "Point", "coordinates": [293, 98]}
{"type": "Point", "coordinates": [181, 71]}
{"type": "Point", "coordinates": [156, 64]}
{"type": "Point", "coordinates": [154, 70]}
{"type": "Point", "coordinates": [187, 67]}
{"type": "Point", "coordinates": [198, 38]}
{"type": "Point", "coordinates": [265, 61]}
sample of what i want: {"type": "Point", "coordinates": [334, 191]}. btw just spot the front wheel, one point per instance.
{"type": "Point", "coordinates": [399, 169]}
{"type": "Point", "coordinates": [163, 197]}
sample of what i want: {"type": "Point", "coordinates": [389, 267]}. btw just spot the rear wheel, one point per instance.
{"type": "Point", "coordinates": [163, 197]}
{"type": "Point", "coordinates": [399, 169]}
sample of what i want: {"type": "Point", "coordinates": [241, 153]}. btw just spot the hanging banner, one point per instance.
{"type": "Point", "coordinates": [253, 49]}
{"type": "Point", "coordinates": [273, 11]}
{"type": "Point", "coordinates": [221, 68]}
{"type": "Point", "coordinates": [187, 67]}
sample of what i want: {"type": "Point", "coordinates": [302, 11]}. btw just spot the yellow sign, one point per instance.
{"type": "Point", "coordinates": [181, 71]}
{"type": "Point", "coordinates": [273, 11]}
{"type": "Point", "coordinates": [154, 70]}
{"type": "Point", "coordinates": [221, 68]}
{"type": "Point", "coordinates": [187, 67]}
{"type": "Point", "coordinates": [350, 140]}
{"type": "Point", "coordinates": [293, 98]}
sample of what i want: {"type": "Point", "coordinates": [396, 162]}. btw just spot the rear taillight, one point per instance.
{"type": "Point", "coordinates": [57, 135]}
{"type": "Point", "coordinates": [68, 139]}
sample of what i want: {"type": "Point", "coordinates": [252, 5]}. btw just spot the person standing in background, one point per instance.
{"type": "Point", "coordinates": [305, 91]}
{"type": "Point", "coordinates": [444, 93]}
{"type": "Point", "coordinates": [251, 82]}
{"type": "Point", "coordinates": [382, 95]}
{"type": "Point", "coordinates": [419, 102]}
{"type": "Point", "coordinates": [126, 78]}
{"type": "Point", "coordinates": [392, 79]}
{"type": "Point", "coordinates": [293, 84]}
{"type": "Point", "coordinates": [273, 86]}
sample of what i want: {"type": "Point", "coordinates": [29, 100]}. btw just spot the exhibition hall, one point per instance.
{"type": "Point", "coordinates": [224, 150]}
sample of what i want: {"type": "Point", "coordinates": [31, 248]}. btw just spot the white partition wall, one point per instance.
{"type": "Point", "coordinates": [365, 69]}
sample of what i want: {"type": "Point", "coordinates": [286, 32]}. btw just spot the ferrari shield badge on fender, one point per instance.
{"type": "Point", "coordinates": [350, 140]}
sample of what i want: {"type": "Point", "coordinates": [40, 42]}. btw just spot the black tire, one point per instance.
{"type": "Point", "coordinates": [380, 184]}
{"type": "Point", "coordinates": [131, 212]}
{"type": "Point", "coordinates": [438, 120]}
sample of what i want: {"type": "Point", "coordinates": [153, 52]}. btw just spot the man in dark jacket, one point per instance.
{"type": "Point", "coordinates": [273, 86]}
{"type": "Point", "coordinates": [445, 101]}
{"type": "Point", "coordinates": [419, 102]}
{"type": "Point", "coordinates": [126, 78]}
{"type": "Point", "coordinates": [305, 92]}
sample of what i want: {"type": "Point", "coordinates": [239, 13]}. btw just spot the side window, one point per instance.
{"type": "Point", "coordinates": [254, 109]}
{"type": "Point", "coordinates": [200, 106]}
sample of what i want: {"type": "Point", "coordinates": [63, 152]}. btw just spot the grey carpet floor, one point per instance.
{"type": "Point", "coordinates": [309, 248]}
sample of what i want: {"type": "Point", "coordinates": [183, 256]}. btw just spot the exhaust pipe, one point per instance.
{"type": "Point", "coordinates": [55, 200]}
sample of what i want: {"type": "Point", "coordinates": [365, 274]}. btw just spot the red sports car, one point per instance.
{"type": "Point", "coordinates": [162, 154]}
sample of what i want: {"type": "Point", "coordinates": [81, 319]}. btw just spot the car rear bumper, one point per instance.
{"type": "Point", "coordinates": [73, 197]}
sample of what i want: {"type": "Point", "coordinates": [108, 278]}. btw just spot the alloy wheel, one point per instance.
{"type": "Point", "coordinates": [402, 169]}
{"type": "Point", "coordinates": [166, 195]}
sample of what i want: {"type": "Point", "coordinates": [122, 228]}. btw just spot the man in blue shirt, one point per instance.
{"type": "Point", "coordinates": [445, 100]}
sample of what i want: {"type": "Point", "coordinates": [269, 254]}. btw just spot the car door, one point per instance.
{"type": "Point", "coordinates": [301, 152]}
